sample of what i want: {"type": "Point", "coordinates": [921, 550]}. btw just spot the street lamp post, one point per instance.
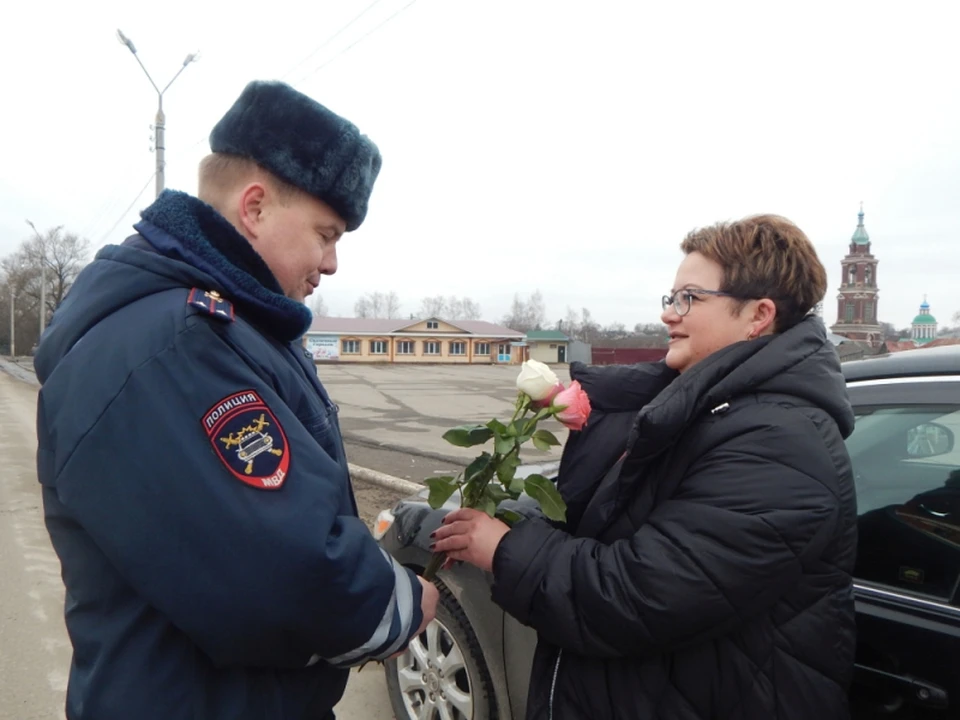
{"type": "Point", "coordinates": [160, 125]}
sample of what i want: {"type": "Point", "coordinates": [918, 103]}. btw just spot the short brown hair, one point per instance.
{"type": "Point", "coordinates": [221, 173]}
{"type": "Point", "coordinates": [764, 256]}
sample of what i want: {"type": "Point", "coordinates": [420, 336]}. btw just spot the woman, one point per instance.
{"type": "Point", "coordinates": [707, 573]}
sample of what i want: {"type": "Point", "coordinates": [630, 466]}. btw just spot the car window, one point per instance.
{"type": "Point", "coordinates": [906, 464]}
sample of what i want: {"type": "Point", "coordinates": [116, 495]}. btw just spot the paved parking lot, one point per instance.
{"type": "Point", "coordinates": [409, 407]}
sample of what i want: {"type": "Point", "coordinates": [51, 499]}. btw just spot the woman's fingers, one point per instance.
{"type": "Point", "coordinates": [461, 527]}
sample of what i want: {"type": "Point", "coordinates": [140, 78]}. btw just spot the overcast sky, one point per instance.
{"type": "Point", "coordinates": [527, 144]}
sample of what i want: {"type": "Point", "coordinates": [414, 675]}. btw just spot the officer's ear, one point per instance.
{"type": "Point", "coordinates": [251, 206]}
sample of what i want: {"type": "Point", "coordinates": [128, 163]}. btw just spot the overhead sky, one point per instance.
{"type": "Point", "coordinates": [565, 146]}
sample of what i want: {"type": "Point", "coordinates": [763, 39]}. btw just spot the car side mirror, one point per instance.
{"type": "Point", "coordinates": [928, 440]}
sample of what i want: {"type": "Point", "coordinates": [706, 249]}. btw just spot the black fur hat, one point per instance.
{"type": "Point", "coordinates": [302, 142]}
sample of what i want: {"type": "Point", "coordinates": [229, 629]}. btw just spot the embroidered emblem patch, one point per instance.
{"type": "Point", "coordinates": [249, 440]}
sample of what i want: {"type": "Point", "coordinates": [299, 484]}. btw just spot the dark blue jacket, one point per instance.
{"type": "Point", "coordinates": [196, 490]}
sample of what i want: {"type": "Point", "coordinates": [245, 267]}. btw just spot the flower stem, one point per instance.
{"type": "Point", "coordinates": [436, 562]}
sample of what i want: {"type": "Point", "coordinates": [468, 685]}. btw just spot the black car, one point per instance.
{"type": "Point", "coordinates": [474, 661]}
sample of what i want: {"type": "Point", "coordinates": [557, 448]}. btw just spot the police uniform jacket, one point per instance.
{"type": "Point", "coordinates": [196, 490]}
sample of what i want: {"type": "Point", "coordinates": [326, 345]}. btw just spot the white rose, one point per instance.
{"type": "Point", "coordinates": [536, 380]}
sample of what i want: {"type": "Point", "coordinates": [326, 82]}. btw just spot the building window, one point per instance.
{"type": "Point", "coordinates": [848, 313]}
{"type": "Point", "coordinates": [481, 349]}
{"type": "Point", "coordinates": [378, 347]}
{"type": "Point", "coordinates": [868, 313]}
{"type": "Point", "coordinates": [553, 346]}
{"type": "Point", "coordinates": [503, 349]}
{"type": "Point", "coordinates": [405, 347]}
{"type": "Point", "coordinates": [431, 347]}
{"type": "Point", "coordinates": [432, 325]}
{"type": "Point", "coordinates": [458, 348]}
{"type": "Point", "coordinates": [351, 347]}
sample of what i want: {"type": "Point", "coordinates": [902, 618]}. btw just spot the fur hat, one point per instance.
{"type": "Point", "coordinates": [302, 142]}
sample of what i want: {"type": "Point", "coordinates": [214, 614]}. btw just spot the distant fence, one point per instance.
{"type": "Point", "coordinates": [626, 356]}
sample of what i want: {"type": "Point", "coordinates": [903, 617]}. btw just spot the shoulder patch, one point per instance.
{"type": "Point", "coordinates": [248, 439]}
{"type": "Point", "coordinates": [211, 303]}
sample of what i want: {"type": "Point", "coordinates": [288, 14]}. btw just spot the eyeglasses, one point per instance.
{"type": "Point", "coordinates": [682, 300]}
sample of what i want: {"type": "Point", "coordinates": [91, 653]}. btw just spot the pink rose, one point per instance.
{"type": "Point", "coordinates": [575, 404]}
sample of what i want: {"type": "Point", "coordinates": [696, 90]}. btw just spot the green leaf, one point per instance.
{"type": "Point", "coordinates": [543, 439]}
{"type": "Point", "coordinates": [546, 494]}
{"type": "Point", "coordinates": [504, 445]}
{"type": "Point", "coordinates": [506, 469]}
{"type": "Point", "coordinates": [441, 488]}
{"type": "Point", "coordinates": [510, 517]}
{"type": "Point", "coordinates": [547, 436]}
{"type": "Point", "coordinates": [477, 466]}
{"type": "Point", "coordinates": [468, 435]}
{"type": "Point", "coordinates": [498, 427]}
{"type": "Point", "coordinates": [488, 506]}
{"type": "Point", "coordinates": [496, 493]}
{"type": "Point", "coordinates": [517, 486]}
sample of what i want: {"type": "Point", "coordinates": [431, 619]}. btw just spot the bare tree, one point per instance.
{"type": "Point", "coordinates": [537, 310]}
{"type": "Point", "coordinates": [391, 305]}
{"type": "Point", "coordinates": [319, 307]}
{"type": "Point", "coordinates": [450, 308]}
{"type": "Point", "coordinates": [571, 323]}
{"type": "Point", "coordinates": [378, 305]}
{"type": "Point", "coordinates": [363, 308]}
{"type": "Point", "coordinates": [517, 318]}
{"type": "Point", "coordinates": [454, 308]}
{"type": "Point", "coordinates": [469, 310]}
{"type": "Point", "coordinates": [435, 306]}
{"type": "Point", "coordinates": [54, 258]}
{"type": "Point", "coordinates": [526, 315]}
{"type": "Point", "coordinates": [589, 330]}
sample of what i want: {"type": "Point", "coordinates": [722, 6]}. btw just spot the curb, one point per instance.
{"type": "Point", "coordinates": [383, 480]}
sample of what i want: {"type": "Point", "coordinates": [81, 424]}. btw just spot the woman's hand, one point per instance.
{"type": "Point", "coordinates": [471, 536]}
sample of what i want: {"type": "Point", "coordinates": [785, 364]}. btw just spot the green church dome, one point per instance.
{"type": "Point", "coordinates": [860, 236]}
{"type": "Point", "coordinates": [925, 318]}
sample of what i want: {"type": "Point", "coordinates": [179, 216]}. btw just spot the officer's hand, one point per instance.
{"type": "Point", "coordinates": [428, 604]}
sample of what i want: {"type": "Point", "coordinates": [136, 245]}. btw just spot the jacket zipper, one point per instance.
{"type": "Point", "coordinates": [553, 684]}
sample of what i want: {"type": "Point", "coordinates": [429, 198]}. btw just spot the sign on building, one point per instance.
{"type": "Point", "coordinates": [324, 347]}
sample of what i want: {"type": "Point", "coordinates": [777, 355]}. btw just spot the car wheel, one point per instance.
{"type": "Point", "coordinates": [442, 675]}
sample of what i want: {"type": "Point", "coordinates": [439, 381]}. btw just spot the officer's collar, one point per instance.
{"type": "Point", "coordinates": [186, 228]}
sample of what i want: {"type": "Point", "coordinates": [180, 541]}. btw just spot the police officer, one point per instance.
{"type": "Point", "coordinates": [194, 480]}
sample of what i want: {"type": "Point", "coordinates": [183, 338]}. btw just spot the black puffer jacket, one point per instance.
{"type": "Point", "coordinates": [709, 574]}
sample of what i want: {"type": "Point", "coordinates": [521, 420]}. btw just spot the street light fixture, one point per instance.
{"type": "Point", "coordinates": [160, 125]}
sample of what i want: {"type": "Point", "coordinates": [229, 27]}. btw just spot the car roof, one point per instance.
{"type": "Point", "coordinates": [943, 360]}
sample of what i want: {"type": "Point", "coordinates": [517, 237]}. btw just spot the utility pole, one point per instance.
{"type": "Point", "coordinates": [160, 122]}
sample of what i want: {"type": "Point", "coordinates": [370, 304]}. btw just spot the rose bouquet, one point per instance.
{"type": "Point", "coordinates": [490, 478]}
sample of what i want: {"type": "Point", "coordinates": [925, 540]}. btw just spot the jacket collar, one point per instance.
{"type": "Point", "coordinates": [182, 227]}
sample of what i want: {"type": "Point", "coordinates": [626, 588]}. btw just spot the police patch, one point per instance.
{"type": "Point", "coordinates": [249, 440]}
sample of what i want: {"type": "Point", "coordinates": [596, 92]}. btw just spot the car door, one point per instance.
{"type": "Point", "coordinates": [906, 465]}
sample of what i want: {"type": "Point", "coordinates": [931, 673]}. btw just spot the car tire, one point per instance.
{"type": "Point", "coordinates": [443, 665]}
